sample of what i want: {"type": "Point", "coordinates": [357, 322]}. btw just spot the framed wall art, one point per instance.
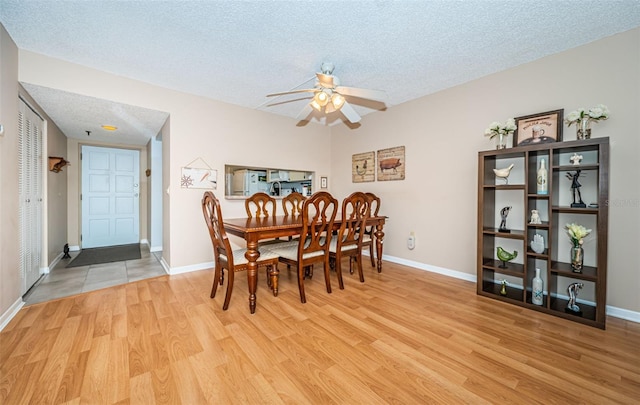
{"type": "Point", "coordinates": [363, 167]}
{"type": "Point", "coordinates": [538, 128]}
{"type": "Point", "coordinates": [204, 176]}
{"type": "Point", "coordinates": [391, 164]}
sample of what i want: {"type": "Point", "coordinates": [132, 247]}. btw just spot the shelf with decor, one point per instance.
{"type": "Point", "coordinates": [537, 227]}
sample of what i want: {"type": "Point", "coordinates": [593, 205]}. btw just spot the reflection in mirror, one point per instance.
{"type": "Point", "coordinates": [243, 181]}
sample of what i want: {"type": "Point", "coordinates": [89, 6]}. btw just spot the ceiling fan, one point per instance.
{"type": "Point", "coordinates": [329, 96]}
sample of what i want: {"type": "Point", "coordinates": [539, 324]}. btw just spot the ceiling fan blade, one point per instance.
{"type": "Point", "coordinates": [369, 94]}
{"type": "Point", "coordinates": [325, 80]}
{"type": "Point", "coordinates": [302, 116]}
{"type": "Point", "coordinates": [350, 113]}
{"type": "Point", "coordinates": [292, 92]}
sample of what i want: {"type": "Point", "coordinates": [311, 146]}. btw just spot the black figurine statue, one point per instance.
{"type": "Point", "coordinates": [503, 223]}
{"type": "Point", "coordinates": [575, 190]}
{"type": "Point", "coordinates": [66, 251]}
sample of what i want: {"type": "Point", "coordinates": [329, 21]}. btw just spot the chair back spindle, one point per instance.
{"type": "Point", "coordinates": [293, 203]}
{"type": "Point", "coordinates": [260, 205]}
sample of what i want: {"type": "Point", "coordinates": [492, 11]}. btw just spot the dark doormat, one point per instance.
{"type": "Point", "coordinates": [106, 255]}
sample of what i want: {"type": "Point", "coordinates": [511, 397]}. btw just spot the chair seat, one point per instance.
{"type": "Point", "coordinates": [291, 251]}
{"type": "Point", "coordinates": [333, 246]}
{"type": "Point", "coordinates": [239, 258]}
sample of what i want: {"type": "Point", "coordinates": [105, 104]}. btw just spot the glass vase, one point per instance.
{"type": "Point", "coordinates": [501, 142]}
{"type": "Point", "coordinates": [577, 256]}
{"type": "Point", "coordinates": [583, 130]}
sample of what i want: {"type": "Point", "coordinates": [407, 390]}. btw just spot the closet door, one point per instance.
{"type": "Point", "coordinates": [30, 127]}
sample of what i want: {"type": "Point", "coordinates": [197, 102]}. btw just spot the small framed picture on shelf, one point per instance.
{"type": "Point", "coordinates": [538, 128]}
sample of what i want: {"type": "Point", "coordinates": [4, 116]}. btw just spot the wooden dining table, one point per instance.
{"type": "Point", "coordinates": [253, 230]}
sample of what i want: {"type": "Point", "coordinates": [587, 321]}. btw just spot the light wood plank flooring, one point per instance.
{"type": "Point", "coordinates": [404, 336]}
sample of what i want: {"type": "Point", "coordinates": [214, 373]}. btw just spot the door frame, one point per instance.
{"type": "Point", "coordinates": [81, 179]}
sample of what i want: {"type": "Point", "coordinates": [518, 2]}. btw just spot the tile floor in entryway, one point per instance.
{"type": "Point", "coordinates": [63, 282]}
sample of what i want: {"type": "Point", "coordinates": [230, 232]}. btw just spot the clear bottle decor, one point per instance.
{"type": "Point", "coordinates": [541, 180]}
{"type": "Point", "coordinates": [536, 289]}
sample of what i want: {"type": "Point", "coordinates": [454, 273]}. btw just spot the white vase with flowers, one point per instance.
{"type": "Point", "coordinates": [583, 118]}
{"type": "Point", "coordinates": [501, 130]}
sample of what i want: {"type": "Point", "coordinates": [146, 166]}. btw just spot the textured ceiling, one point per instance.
{"type": "Point", "coordinates": [75, 114]}
{"type": "Point", "coordinates": [239, 51]}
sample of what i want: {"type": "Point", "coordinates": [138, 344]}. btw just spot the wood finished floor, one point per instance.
{"type": "Point", "coordinates": [404, 336]}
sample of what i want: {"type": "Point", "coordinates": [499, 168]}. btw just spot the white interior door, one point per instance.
{"type": "Point", "coordinates": [110, 196]}
{"type": "Point", "coordinates": [30, 128]}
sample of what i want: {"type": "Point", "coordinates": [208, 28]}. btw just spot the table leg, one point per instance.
{"type": "Point", "coordinates": [379, 240]}
{"type": "Point", "coordinates": [252, 255]}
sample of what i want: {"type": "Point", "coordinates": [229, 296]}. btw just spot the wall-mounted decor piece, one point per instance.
{"type": "Point", "coordinates": [539, 128]}
{"type": "Point", "coordinates": [363, 167]}
{"type": "Point", "coordinates": [57, 163]}
{"type": "Point", "coordinates": [391, 164]}
{"type": "Point", "coordinates": [200, 177]}
{"type": "Point", "coordinates": [323, 182]}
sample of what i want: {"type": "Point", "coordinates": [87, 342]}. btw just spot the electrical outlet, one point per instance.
{"type": "Point", "coordinates": [411, 241]}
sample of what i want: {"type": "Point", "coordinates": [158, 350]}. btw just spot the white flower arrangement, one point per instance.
{"type": "Point", "coordinates": [597, 113]}
{"type": "Point", "coordinates": [577, 233]}
{"type": "Point", "coordinates": [497, 128]}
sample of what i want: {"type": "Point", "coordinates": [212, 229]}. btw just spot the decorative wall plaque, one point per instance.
{"type": "Point", "coordinates": [391, 164]}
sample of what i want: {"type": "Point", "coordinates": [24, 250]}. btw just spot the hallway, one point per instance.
{"type": "Point", "coordinates": [63, 282]}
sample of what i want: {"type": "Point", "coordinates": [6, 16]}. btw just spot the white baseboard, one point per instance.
{"type": "Point", "coordinates": [165, 265]}
{"type": "Point", "coordinates": [155, 248]}
{"type": "Point", "coordinates": [144, 242]}
{"type": "Point", "coordinates": [615, 312]}
{"type": "Point", "coordinates": [74, 248]}
{"type": "Point", "coordinates": [10, 313]}
{"type": "Point", "coordinates": [190, 268]}
{"type": "Point", "coordinates": [55, 262]}
{"type": "Point", "coordinates": [623, 314]}
{"type": "Point", "coordinates": [433, 269]}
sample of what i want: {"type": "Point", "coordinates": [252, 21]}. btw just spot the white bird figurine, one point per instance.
{"type": "Point", "coordinates": [504, 173]}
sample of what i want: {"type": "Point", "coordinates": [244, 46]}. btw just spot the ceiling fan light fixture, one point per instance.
{"type": "Point", "coordinates": [337, 100]}
{"type": "Point", "coordinates": [321, 98]}
{"type": "Point", "coordinates": [315, 105]}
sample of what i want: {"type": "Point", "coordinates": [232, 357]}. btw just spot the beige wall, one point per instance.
{"type": "Point", "coordinates": [214, 131]}
{"type": "Point", "coordinates": [443, 133]}
{"type": "Point", "coordinates": [9, 242]}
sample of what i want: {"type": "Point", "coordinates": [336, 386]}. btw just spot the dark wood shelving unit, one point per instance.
{"type": "Point", "coordinates": [555, 211]}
